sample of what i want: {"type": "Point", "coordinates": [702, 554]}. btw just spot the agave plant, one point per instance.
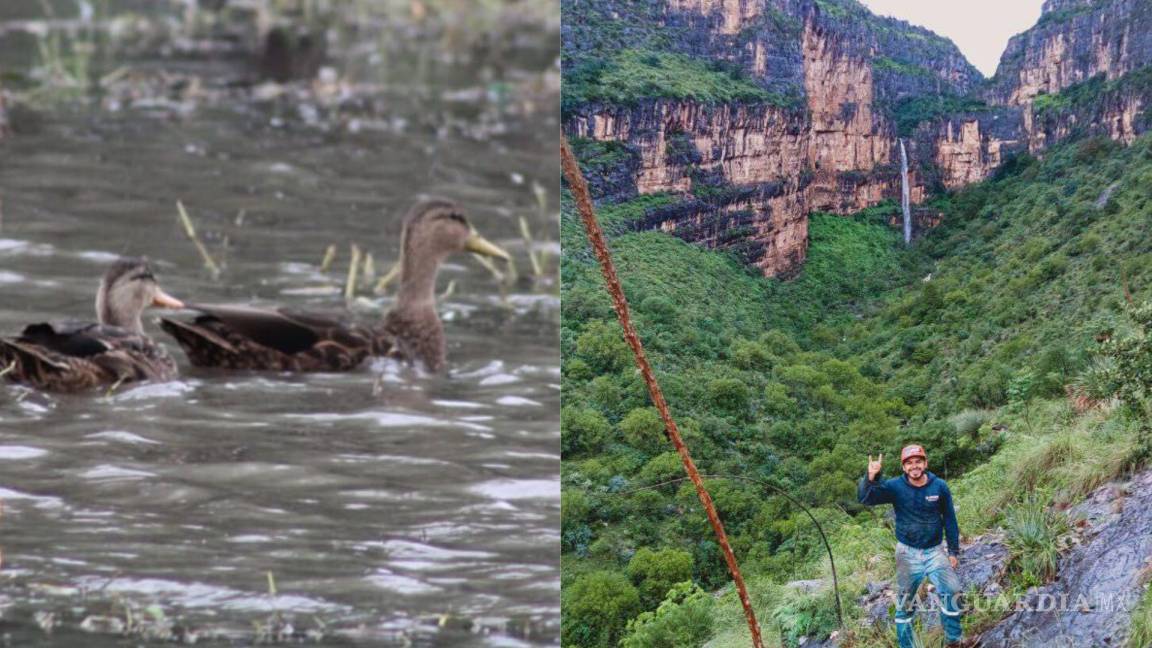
{"type": "Point", "coordinates": [1033, 535]}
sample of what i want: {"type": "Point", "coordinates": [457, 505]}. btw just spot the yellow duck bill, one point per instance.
{"type": "Point", "coordinates": [481, 245]}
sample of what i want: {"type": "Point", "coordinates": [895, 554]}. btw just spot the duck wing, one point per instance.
{"type": "Point", "coordinates": [267, 327]}
{"type": "Point", "coordinates": [75, 339]}
{"type": "Point", "coordinates": [72, 356]}
{"type": "Point", "coordinates": [244, 337]}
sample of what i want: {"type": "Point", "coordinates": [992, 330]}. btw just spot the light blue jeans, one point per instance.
{"type": "Point", "coordinates": [912, 567]}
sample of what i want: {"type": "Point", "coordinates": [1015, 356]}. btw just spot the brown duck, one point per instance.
{"type": "Point", "coordinates": [74, 356]}
{"type": "Point", "coordinates": [242, 337]}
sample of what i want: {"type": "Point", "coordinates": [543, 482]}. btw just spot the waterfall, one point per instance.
{"type": "Point", "coordinates": [904, 199]}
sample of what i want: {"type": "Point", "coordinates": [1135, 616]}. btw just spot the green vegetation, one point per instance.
{"type": "Point", "coordinates": [833, 8]}
{"type": "Point", "coordinates": [968, 343]}
{"type": "Point", "coordinates": [1140, 636]}
{"type": "Point", "coordinates": [683, 620]}
{"type": "Point", "coordinates": [887, 64]}
{"type": "Point", "coordinates": [1043, 103]}
{"type": "Point", "coordinates": [1064, 15]}
{"type": "Point", "coordinates": [910, 112]}
{"type": "Point", "coordinates": [598, 157]}
{"type": "Point", "coordinates": [631, 76]}
{"type": "Point", "coordinates": [1033, 534]}
{"type": "Point", "coordinates": [1086, 97]}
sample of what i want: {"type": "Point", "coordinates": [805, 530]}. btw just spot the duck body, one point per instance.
{"type": "Point", "coordinates": [73, 356]}
{"type": "Point", "coordinates": [413, 336]}
{"type": "Point", "coordinates": [77, 356]}
{"type": "Point", "coordinates": [242, 337]}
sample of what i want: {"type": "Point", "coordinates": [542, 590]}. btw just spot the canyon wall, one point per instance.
{"type": "Point", "coordinates": [827, 90]}
{"type": "Point", "coordinates": [1074, 41]}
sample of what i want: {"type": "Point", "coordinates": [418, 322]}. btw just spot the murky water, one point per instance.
{"type": "Point", "coordinates": [385, 506]}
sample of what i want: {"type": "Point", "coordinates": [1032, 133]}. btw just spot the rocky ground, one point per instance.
{"type": "Point", "coordinates": [1089, 604]}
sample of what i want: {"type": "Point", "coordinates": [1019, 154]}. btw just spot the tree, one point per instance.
{"type": "Point", "coordinates": [730, 395]}
{"type": "Point", "coordinates": [596, 609]}
{"type": "Point", "coordinates": [582, 429]}
{"type": "Point", "coordinates": [642, 429]}
{"type": "Point", "coordinates": [602, 346]}
{"type": "Point", "coordinates": [683, 620]}
{"type": "Point", "coordinates": [655, 572]}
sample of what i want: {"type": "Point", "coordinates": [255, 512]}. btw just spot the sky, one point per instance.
{"type": "Point", "coordinates": [980, 28]}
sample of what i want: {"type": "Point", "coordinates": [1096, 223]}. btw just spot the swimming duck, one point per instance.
{"type": "Point", "coordinates": [73, 356]}
{"type": "Point", "coordinates": [242, 337]}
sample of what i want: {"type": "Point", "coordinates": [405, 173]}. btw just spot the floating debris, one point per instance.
{"type": "Point", "coordinates": [369, 269]}
{"type": "Point", "coordinates": [392, 275]}
{"type": "Point", "coordinates": [190, 231]}
{"type": "Point", "coordinates": [329, 257]}
{"type": "Point", "coordinates": [353, 272]}
{"type": "Point", "coordinates": [537, 270]}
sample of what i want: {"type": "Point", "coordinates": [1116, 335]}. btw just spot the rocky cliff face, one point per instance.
{"type": "Point", "coordinates": [1082, 70]}
{"type": "Point", "coordinates": [680, 140]}
{"type": "Point", "coordinates": [822, 140]}
{"type": "Point", "coordinates": [1074, 41]}
{"type": "Point", "coordinates": [960, 149]}
{"type": "Point", "coordinates": [798, 105]}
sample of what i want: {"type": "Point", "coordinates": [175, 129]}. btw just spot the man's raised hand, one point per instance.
{"type": "Point", "coordinates": [874, 466]}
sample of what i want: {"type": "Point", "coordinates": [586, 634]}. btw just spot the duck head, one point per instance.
{"type": "Point", "coordinates": [126, 290]}
{"type": "Point", "coordinates": [434, 229]}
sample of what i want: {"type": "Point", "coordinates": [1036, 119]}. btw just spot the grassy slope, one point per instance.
{"type": "Point", "coordinates": [1025, 272]}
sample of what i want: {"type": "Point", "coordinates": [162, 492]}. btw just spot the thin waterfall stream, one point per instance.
{"type": "Point", "coordinates": [904, 198]}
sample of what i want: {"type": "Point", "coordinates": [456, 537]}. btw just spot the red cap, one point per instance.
{"type": "Point", "coordinates": [912, 451]}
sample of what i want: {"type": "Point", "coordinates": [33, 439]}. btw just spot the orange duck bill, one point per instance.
{"type": "Point", "coordinates": [164, 300]}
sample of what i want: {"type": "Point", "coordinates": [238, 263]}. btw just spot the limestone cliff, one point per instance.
{"type": "Point", "coordinates": [960, 149]}
{"type": "Point", "coordinates": [1081, 70]}
{"type": "Point", "coordinates": [812, 129]}
{"type": "Point", "coordinates": [760, 111]}
{"type": "Point", "coordinates": [1074, 41]}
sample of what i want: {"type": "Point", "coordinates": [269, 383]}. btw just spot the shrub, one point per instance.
{"type": "Point", "coordinates": [729, 394]}
{"type": "Point", "coordinates": [643, 429]}
{"type": "Point", "coordinates": [1133, 358]}
{"type": "Point", "coordinates": [777, 401]}
{"type": "Point", "coordinates": [683, 620]}
{"type": "Point", "coordinates": [968, 422]}
{"type": "Point", "coordinates": [582, 429]}
{"type": "Point", "coordinates": [662, 468]}
{"type": "Point", "coordinates": [574, 531]}
{"type": "Point", "coordinates": [1033, 535]}
{"type": "Point", "coordinates": [596, 609]}
{"type": "Point", "coordinates": [1099, 381]}
{"type": "Point", "coordinates": [806, 615]}
{"type": "Point", "coordinates": [603, 348]}
{"type": "Point", "coordinates": [752, 356]}
{"type": "Point", "coordinates": [655, 572]}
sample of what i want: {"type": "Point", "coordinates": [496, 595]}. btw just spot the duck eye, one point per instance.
{"type": "Point", "coordinates": [456, 216]}
{"type": "Point", "coordinates": [145, 275]}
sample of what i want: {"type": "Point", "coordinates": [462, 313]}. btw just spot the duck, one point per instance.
{"type": "Point", "coordinates": [73, 356]}
{"type": "Point", "coordinates": [285, 339]}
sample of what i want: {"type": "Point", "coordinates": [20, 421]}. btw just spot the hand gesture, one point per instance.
{"type": "Point", "coordinates": [874, 466]}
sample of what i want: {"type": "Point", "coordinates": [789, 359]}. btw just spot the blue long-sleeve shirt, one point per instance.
{"type": "Point", "coordinates": [923, 513]}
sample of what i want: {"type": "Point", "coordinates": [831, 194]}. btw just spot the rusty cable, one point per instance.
{"type": "Point", "coordinates": [579, 189]}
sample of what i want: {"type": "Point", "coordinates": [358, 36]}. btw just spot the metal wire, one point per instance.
{"type": "Point", "coordinates": [779, 491]}
{"type": "Point", "coordinates": [596, 237]}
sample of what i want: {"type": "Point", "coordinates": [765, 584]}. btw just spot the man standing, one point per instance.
{"type": "Point", "coordinates": [924, 516]}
